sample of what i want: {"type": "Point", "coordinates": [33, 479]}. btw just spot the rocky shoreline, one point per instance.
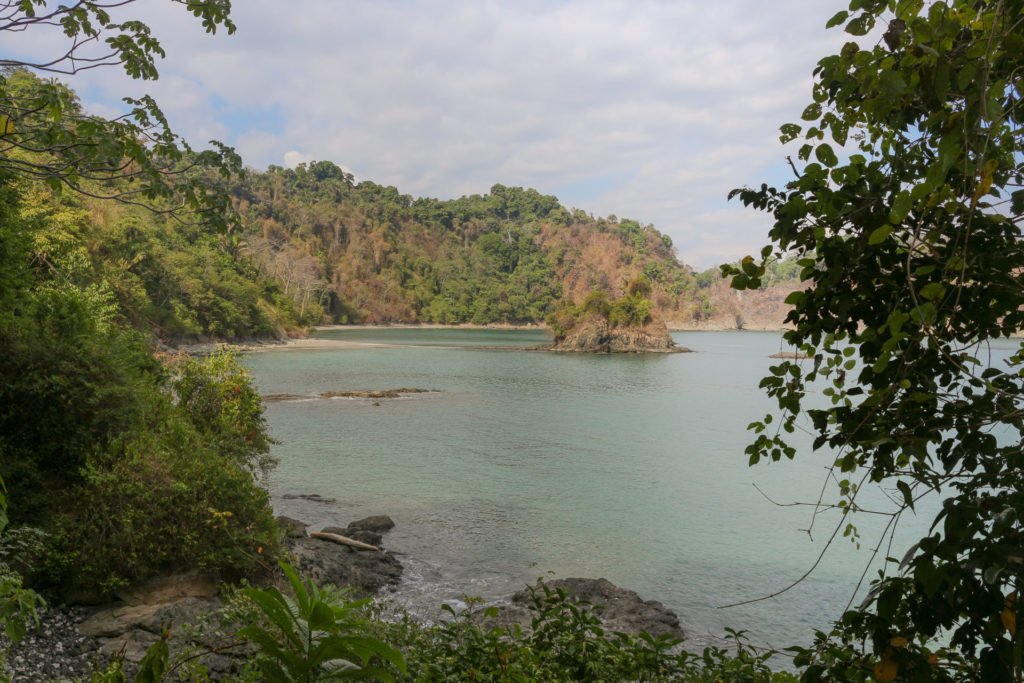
{"type": "Point", "coordinates": [72, 642]}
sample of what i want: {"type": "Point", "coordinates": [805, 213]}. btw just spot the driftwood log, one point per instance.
{"type": "Point", "coordinates": [344, 540]}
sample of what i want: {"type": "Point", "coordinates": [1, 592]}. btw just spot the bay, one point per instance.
{"type": "Point", "coordinates": [527, 464]}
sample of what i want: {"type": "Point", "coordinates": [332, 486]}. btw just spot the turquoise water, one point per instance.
{"type": "Point", "coordinates": [526, 464]}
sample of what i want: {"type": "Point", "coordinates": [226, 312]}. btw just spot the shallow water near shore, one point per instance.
{"type": "Point", "coordinates": [524, 464]}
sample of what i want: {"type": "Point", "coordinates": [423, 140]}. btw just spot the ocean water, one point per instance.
{"type": "Point", "coordinates": [527, 464]}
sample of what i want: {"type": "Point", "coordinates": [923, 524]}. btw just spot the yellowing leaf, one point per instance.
{"type": "Point", "coordinates": [1009, 619]}
{"type": "Point", "coordinates": [898, 641]}
{"type": "Point", "coordinates": [6, 126]}
{"type": "Point", "coordinates": [1009, 615]}
{"type": "Point", "coordinates": [984, 180]}
{"type": "Point", "coordinates": [886, 670]}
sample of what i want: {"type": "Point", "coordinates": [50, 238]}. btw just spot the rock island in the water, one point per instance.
{"type": "Point", "coordinates": [603, 325]}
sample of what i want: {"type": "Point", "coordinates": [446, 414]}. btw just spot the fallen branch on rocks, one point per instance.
{"type": "Point", "coordinates": [343, 540]}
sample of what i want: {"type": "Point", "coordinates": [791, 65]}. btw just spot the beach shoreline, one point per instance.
{"type": "Point", "coordinates": [318, 343]}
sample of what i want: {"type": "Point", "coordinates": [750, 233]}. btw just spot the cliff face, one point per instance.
{"type": "Point", "coordinates": [762, 309]}
{"type": "Point", "coordinates": [596, 335]}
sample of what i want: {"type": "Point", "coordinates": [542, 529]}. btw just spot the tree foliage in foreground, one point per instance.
{"type": "Point", "coordinates": [908, 192]}
{"type": "Point", "coordinates": [155, 463]}
{"type": "Point", "coordinates": [134, 158]}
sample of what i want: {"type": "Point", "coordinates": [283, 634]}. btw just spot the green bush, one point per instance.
{"type": "Point", "coordinates": [565, 642]}
{"type": "Point", "coordinates": [161, 501]}
{"type": "Point", "coordinates": [315, 634]}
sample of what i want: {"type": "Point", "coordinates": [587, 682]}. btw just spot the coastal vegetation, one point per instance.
{"type": "Point", "coordinates": [908, 194]}
{"type": "Point", "coordinates": [905, 223]}
{"type": "Point", "coordinates": [602, 324]}
{"type": "Point", "coordinates": [122, 461]}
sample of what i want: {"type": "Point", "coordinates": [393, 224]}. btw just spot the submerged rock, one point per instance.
{"type": "Point", "coordinates": [312, 497]}
{"type": "Point", "coordinates": [350, 393]}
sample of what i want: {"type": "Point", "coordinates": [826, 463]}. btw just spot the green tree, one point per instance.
{"type": "Point", "coordinates": [908, 195]}
{"type": "Point", "coordinates": [134, 158]}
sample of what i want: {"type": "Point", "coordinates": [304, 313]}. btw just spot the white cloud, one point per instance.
{"type": "Point", "coordinates": [293, 158]}
{"type": "Point", "coordinates": [680, 100]}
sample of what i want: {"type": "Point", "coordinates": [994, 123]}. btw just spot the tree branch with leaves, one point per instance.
{"type": "Point", "coordinates": [134, 158]}
{"type": "Point", "coordinates": [908, 206]}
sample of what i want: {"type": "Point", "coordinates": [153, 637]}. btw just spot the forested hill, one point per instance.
{"type": "Point", "coordinates": [360, 252]}
{"type": "Point", "coordinates": [310, 246]}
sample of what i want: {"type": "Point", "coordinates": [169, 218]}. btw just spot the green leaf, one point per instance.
{"type": "Point", "coordinates": [967, 75]}
{"type": "Point", "coordinates": [879, 235]}
{"type": "Point", "coordinates": [812, 112]}
{"type": "Point", "coordinates": [790, 131]}
{"type": "Point", "coordinates": [900, 207]}
{"type": "Point", "coordinates": [825, 155]}
{"type": "Point", "coordinates": [321, 617]}
{"type": "Point", "coordinates": [892, 83]}
{"type": "Point", "coordinates": [837, 18]}
{"type": "Point", "coordinates": [932, 291]}
{"type": "Point", "coordinates": [908, 496]}
{"type": "Point", "coordinates": [154, 664]}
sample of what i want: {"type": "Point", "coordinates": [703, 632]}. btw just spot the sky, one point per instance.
{"type": "Point", "coordinates": [645, 109]}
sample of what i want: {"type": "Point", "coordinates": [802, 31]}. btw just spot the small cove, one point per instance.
{"type": "Point", "coordinates": [629, 468]}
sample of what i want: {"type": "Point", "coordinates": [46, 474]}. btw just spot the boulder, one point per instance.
{"type": "Point", "coordinates": [621, 610]}
{"type": "Point", "coordinates": [116, 621]}
{"type": "Point", "coordinates": [171, 587]}
{"type": "Point", "coordinates": [327, 562]}
{"type": "Point", "coordinates": [376, 523]}
{"type": "Point", "coordinates": [145, 609]}
{"type": "Point", "coordinates": [356, 534]}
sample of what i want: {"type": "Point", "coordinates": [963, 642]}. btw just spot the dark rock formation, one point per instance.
{"type": "Point", "coordinates": [363, 535]}
{"type": "Point", "coordinates": [596, 335]}
{"type": "Point", "coordinates": [325, 562]}
{"type": "Point", "coordinates": [313, 497]}
{"type": "Point", "coordinates": [351, 393]}
{"type": "Point", "coordinates": [144, 610]}
{"type": "Point", "coordinates": [365, 570]}
{"type": "Point", "coordinates": [623, 610]}
{"type": "Point", "coordinates": [376, 523]}
{"type": "Point", "coordinates": [292, 528]}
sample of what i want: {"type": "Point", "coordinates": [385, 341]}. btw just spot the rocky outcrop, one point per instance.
{"type": "Point", "coordinates": [351, 393]}
{"type": "Point", "coordinates": [367, 571]}
{"type": "Point", "coordinates": [790, 355]}
{"type": "Point", "coordinates": [368, 530]}
{"type": "Point", "coordinates": [621, 610]}
{"type": "Point", "coordinates": [71, 643]}
{"type": "Point", "coordinates": [596, 335]}
{"type": "Point", "coordinates": [146, 609]}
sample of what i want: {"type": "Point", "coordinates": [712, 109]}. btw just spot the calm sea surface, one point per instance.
{"type": "Point", "coordinates": [528, 464]}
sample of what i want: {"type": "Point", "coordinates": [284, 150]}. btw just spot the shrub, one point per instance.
{"type": "Point", "coordinates": [315, 634]}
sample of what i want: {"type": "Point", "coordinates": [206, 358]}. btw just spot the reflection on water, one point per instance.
{"type": "Point", "coordinates": [624, 467]}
